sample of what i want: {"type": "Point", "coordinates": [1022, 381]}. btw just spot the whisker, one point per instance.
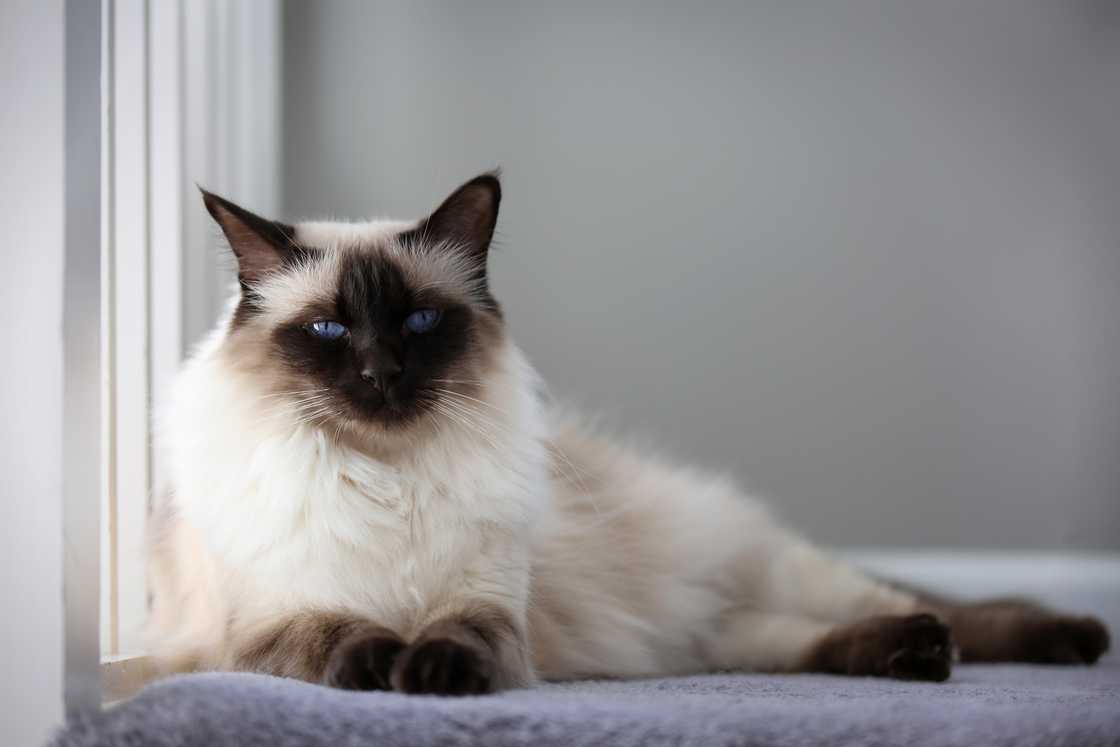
{"type": "Point", "coordinates": [460, 420]}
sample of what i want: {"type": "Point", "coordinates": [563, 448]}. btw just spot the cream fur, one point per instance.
{"type": "Point", "coordinates": [617, 563]}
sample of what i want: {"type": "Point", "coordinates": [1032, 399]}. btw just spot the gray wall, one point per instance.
{"type": "Point", "coordinates": [32, 77]}
{"type": "Point", "coordinates": [864, 255]}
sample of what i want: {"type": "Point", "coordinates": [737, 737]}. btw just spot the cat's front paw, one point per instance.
{"type": "Point", "coordinates": [439, 666]}
{"type": "Point", "coordinates": [363, 662]}
{"type": "Point", "coordinates": [1063, 639]}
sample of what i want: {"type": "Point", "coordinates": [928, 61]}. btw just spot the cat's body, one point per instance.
{"type": "Point", "coordinates": [439, 526]}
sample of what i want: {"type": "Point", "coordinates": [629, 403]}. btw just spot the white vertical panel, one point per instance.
{"type": "Point", "coordinates": [167, 187]}
{"type": "Point", "coordinates": [108, 476]}
{"type": "Point", "coordinates": [131, 315]}
{"type": "Point", "coordinates": [82, 405]}
{"type": "Point", "coordinates": [194, 93]}
{"type": "Point", "coordinates": [40, 206]}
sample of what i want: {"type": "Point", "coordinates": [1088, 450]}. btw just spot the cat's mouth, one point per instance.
{"type": "Point", "coordinates": [389, 407]}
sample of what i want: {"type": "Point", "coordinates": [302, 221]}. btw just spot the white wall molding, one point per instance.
{"type": "Point", "coordinates": [129, 329]}
{"type": "Point", "coordinates": [192, 96]}
{"type": "Point", "coordinates": [81, 401]}
{"type": "Point", "coordinates": [168, 188]}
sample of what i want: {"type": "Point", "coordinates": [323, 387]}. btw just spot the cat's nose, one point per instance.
{"type": "Point", "coordinates": [383, 374]}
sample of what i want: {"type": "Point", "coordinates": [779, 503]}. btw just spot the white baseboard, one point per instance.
{"type": "Point", "coordinates": [1078, 582]}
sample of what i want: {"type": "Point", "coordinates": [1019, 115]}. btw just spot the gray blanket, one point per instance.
{"type": "Point", "coordinates": [988, 706]}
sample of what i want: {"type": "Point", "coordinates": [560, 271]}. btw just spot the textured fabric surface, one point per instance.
{"type": "Point", "coordinates": [990, 706]}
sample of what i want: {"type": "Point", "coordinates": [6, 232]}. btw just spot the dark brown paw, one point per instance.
{"type": "Point", "coordinates": [1064, 639]}
{"type": "Point", "coordinates": [443, 667]}
{"type": "Point", "coordinates": [913, 647]}
{"type": "Point", "coordinates": [922, 649]}
{"type": "Point", "coordinates": [363, 663]}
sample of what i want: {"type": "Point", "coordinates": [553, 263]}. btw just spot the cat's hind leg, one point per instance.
{"type": "Point", "coordinates": [805, 611]}
{"type": "Point", "coordinates": [752, 641]}
{"type": "Point", "coordinates": [1020, 630]}
{"type": "Point", "coordinates": [803, 580]}
{"type": "Point", "coordinates": [912, 647]}
{"type": "Point", "coordinates": [906, 647]}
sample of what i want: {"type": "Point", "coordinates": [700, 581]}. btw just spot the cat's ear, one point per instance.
{"type": "Point", "coordinates": [260, 245]}
{"type": "Point", "coordinates": [467, 218]}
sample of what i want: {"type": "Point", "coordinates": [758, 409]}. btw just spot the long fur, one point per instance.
{"type": "Point", "coordinates": [598, 560]}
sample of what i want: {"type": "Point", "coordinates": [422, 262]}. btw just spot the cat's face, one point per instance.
{"type": "Point", "coordinates": [371, 324]}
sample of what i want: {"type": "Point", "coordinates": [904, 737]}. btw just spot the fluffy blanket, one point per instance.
{"type": "Point", "coordinates": [989, 706]}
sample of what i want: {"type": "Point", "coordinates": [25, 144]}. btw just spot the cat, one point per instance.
{"type": "Point", "coordinates": [370, 489]}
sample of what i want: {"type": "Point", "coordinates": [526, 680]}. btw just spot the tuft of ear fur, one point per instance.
{"type": "Point", "coordinates": [467, 218]}
{"type": "Point", "coordinates": [260, 245]}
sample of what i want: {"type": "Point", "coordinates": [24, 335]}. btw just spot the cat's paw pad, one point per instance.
{"type": "Point", "coordinates": [908, 664]}
{"type": "Point", "coordinates": [363, 663]}
{"type": "Point", "coordinates": [1065, 639]}
{"type": "Point", "coordinates": [921, 649]}
{"type": "Point", "coordinates": [443, 667]}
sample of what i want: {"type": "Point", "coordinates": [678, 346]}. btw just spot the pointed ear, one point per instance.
{"type": "Point", "coordinates": [260, 245]}
{"type": "Point", "coordinates": [468, 216]}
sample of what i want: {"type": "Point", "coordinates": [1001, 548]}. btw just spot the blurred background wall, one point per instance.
{"type": "Point", "coordinates": [33, 77]}
{"type": "Point", "coordinates": [864, 255]}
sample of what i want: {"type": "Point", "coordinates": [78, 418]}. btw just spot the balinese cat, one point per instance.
{"type": "Point", "coordinates": [369, 489]}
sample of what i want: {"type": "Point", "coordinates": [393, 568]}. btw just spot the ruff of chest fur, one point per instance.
{"type": "Point", "coordinates": [299, 514]}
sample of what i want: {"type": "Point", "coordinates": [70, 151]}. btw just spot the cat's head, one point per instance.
{"type": "Point", "coordinates": [370, 325]}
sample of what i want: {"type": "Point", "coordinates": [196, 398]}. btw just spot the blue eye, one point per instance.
{"type": "Point", "coordinates": [326, 330]}
{"type": "Point", "coordinates": [422, 320]}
